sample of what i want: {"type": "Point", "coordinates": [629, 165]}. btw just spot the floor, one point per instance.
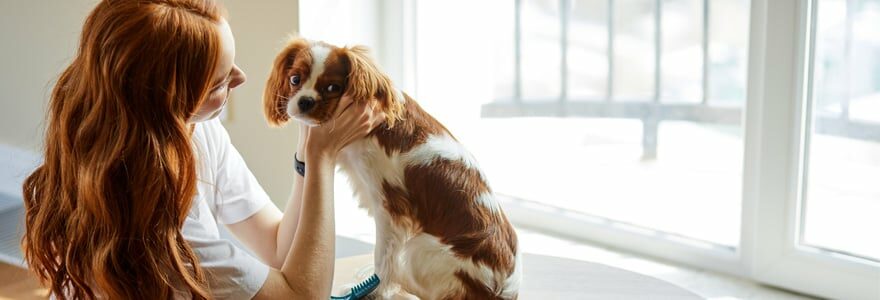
{"type": "Point", "coordinates": [16, 283]}
{"type": "Point", "coordinates": [706, 284]}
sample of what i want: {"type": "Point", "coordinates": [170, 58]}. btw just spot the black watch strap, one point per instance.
{"type": "Point", "coordinates": [300, 166]}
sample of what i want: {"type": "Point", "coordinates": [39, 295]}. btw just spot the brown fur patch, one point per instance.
{"type": "Point", "coordinates": [414, 129]}
{"type": "Point", "coordinates": [441, 198]}
{"type": "Point", "coordinates": [474, 289]}
{"type": "Point", "coordinates": [367, 81]}
{"type": "Point", "coordinates": [395, 200]}
{"type": "Point", "coordinates": [294, 59]}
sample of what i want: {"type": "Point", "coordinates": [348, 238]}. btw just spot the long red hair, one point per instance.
{"type": "Point", "coordinates": [104, 211]}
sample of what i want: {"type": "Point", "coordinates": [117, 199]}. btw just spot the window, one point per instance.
{"type": "Point", "coordinates": [731, 135]}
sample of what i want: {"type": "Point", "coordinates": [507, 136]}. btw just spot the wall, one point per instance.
{"type": "Point", "coordinates": [260, 29]}
{"type": "Point", "coordinates": [38, 40]}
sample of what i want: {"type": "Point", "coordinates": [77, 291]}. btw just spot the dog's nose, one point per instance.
{"type": "Point", "coordinates": [305, 103]}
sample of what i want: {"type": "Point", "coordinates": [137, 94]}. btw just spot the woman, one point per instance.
{"type": "Point", "coordinates": [138, 172]}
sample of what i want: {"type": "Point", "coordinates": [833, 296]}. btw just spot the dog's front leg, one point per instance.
{"type": "Point", "coordinates": [386, 255]}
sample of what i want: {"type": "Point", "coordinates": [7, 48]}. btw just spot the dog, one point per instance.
{"type": "Point", "coordinates": [440, 232]}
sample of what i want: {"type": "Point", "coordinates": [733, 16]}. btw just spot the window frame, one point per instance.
{"type": "Point", "coordinates": [777, 135]}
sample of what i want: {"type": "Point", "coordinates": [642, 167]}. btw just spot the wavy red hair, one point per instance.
{"type": "Point", "coordinates": [104, 211]}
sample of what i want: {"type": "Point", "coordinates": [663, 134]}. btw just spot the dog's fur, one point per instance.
{"type": "Point", "coordinates": [441, 233]}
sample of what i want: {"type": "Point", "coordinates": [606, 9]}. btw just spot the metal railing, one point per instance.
{"type": "Point", "coordinates": [652, 111]}
{"type": "Point", "coordinates": [841, 124]}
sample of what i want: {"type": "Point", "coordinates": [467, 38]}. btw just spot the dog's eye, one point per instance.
{"type": "Point", "coordinates": [294, 80]}
{"type": "Point", "coordinates": [332, 88]}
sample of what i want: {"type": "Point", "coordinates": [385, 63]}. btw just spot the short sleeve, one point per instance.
{"type": "Point", "coordinates": [227, 193]}
{"type": "Point", "coordinates": [231, 272]}
{"type": "Point", "coordinates": [238, 194]}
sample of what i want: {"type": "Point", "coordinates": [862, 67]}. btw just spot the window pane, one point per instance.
{"type": "Point", "coordinates": [588, 50]}
{"type": "Point", "coordinates": [502, 34]}
{"type": "Point", "coordinates": [594, 166]}
{"type": "Point", "coordinates": [682, 51]}
{"type": "Point", "coordinates": [728, 49]}
{"type": "Point", "coordinates": [865, 86]}
{"type": "Point", "coordinates": [634, 50]}
{"type": "Point", "coordinates": [541, 50]}
{"type": "Point", "coordinates": [677, 171]}
{"type": "Point", "coordinates": [842, 208]}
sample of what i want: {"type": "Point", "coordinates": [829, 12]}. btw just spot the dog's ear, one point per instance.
{"type": "Point", "coordinates": [366, 81]}
{"type": "Point", "coordinates": [278, 88]}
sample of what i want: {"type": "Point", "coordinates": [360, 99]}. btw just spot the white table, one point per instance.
{"type": "Point", "coordinates": [546, 277]}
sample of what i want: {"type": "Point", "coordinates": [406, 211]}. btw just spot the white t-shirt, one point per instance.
{"type": "Point", "coordinates": [228, 193]}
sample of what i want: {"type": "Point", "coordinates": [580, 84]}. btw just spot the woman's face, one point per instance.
{"type": "Point", "coordinates": [226, 77]}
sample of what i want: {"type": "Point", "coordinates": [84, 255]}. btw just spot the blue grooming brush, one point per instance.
{"type": "Point", "coordinates": [361, 290]}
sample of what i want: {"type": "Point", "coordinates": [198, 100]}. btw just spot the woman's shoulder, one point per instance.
{"type": "Point", "coordinates": [211, 129]}
{"type": "Point", "coordinates": [210, 142]}
{"type": "Point", "coordinates": [211, 134]}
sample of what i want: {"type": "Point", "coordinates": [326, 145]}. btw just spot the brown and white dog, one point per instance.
{"type": "Point", "coordinates": [440, 232]}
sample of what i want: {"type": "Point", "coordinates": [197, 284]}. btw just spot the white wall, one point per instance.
{"type": "Point", "coordinates": [260, 29]}
{"type": "Point", "coordinates": [39, 39]}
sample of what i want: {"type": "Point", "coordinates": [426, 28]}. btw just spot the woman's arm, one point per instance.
{"type": "Point", "coordinates": [287, 226]}
{"type": "Point", "coordinates": [309, 263]}
{"type": "Point", "coordinates": [307, 270]}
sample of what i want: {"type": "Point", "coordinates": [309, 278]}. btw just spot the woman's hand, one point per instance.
{"type": "Point", "coordinates": [352, 121]}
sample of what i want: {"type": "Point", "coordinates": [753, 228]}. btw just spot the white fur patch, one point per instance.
{"type": "Point", "coordinates": [319, 57]}
{"type": "Point", "coordinates": [436, 265]}
{"type": "Point", "coordinates": [442, 146]}
{"type": "Point", "coordinates": [368, 167]}
{"type": "Point", "coordinates": [513, 282]}
{"type": "Point", "coordinates": [488, 200]}
{"type": "Point", "coordinates": [398, 96]}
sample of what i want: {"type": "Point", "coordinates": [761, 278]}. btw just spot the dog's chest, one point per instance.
{"type": "Point", "coordinates": [369, 168]}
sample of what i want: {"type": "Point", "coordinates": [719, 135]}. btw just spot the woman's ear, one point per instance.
{"type": "Point", "coordinates": [366, 81]}
{"type": "Point", "coordinates": [278, 88]}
